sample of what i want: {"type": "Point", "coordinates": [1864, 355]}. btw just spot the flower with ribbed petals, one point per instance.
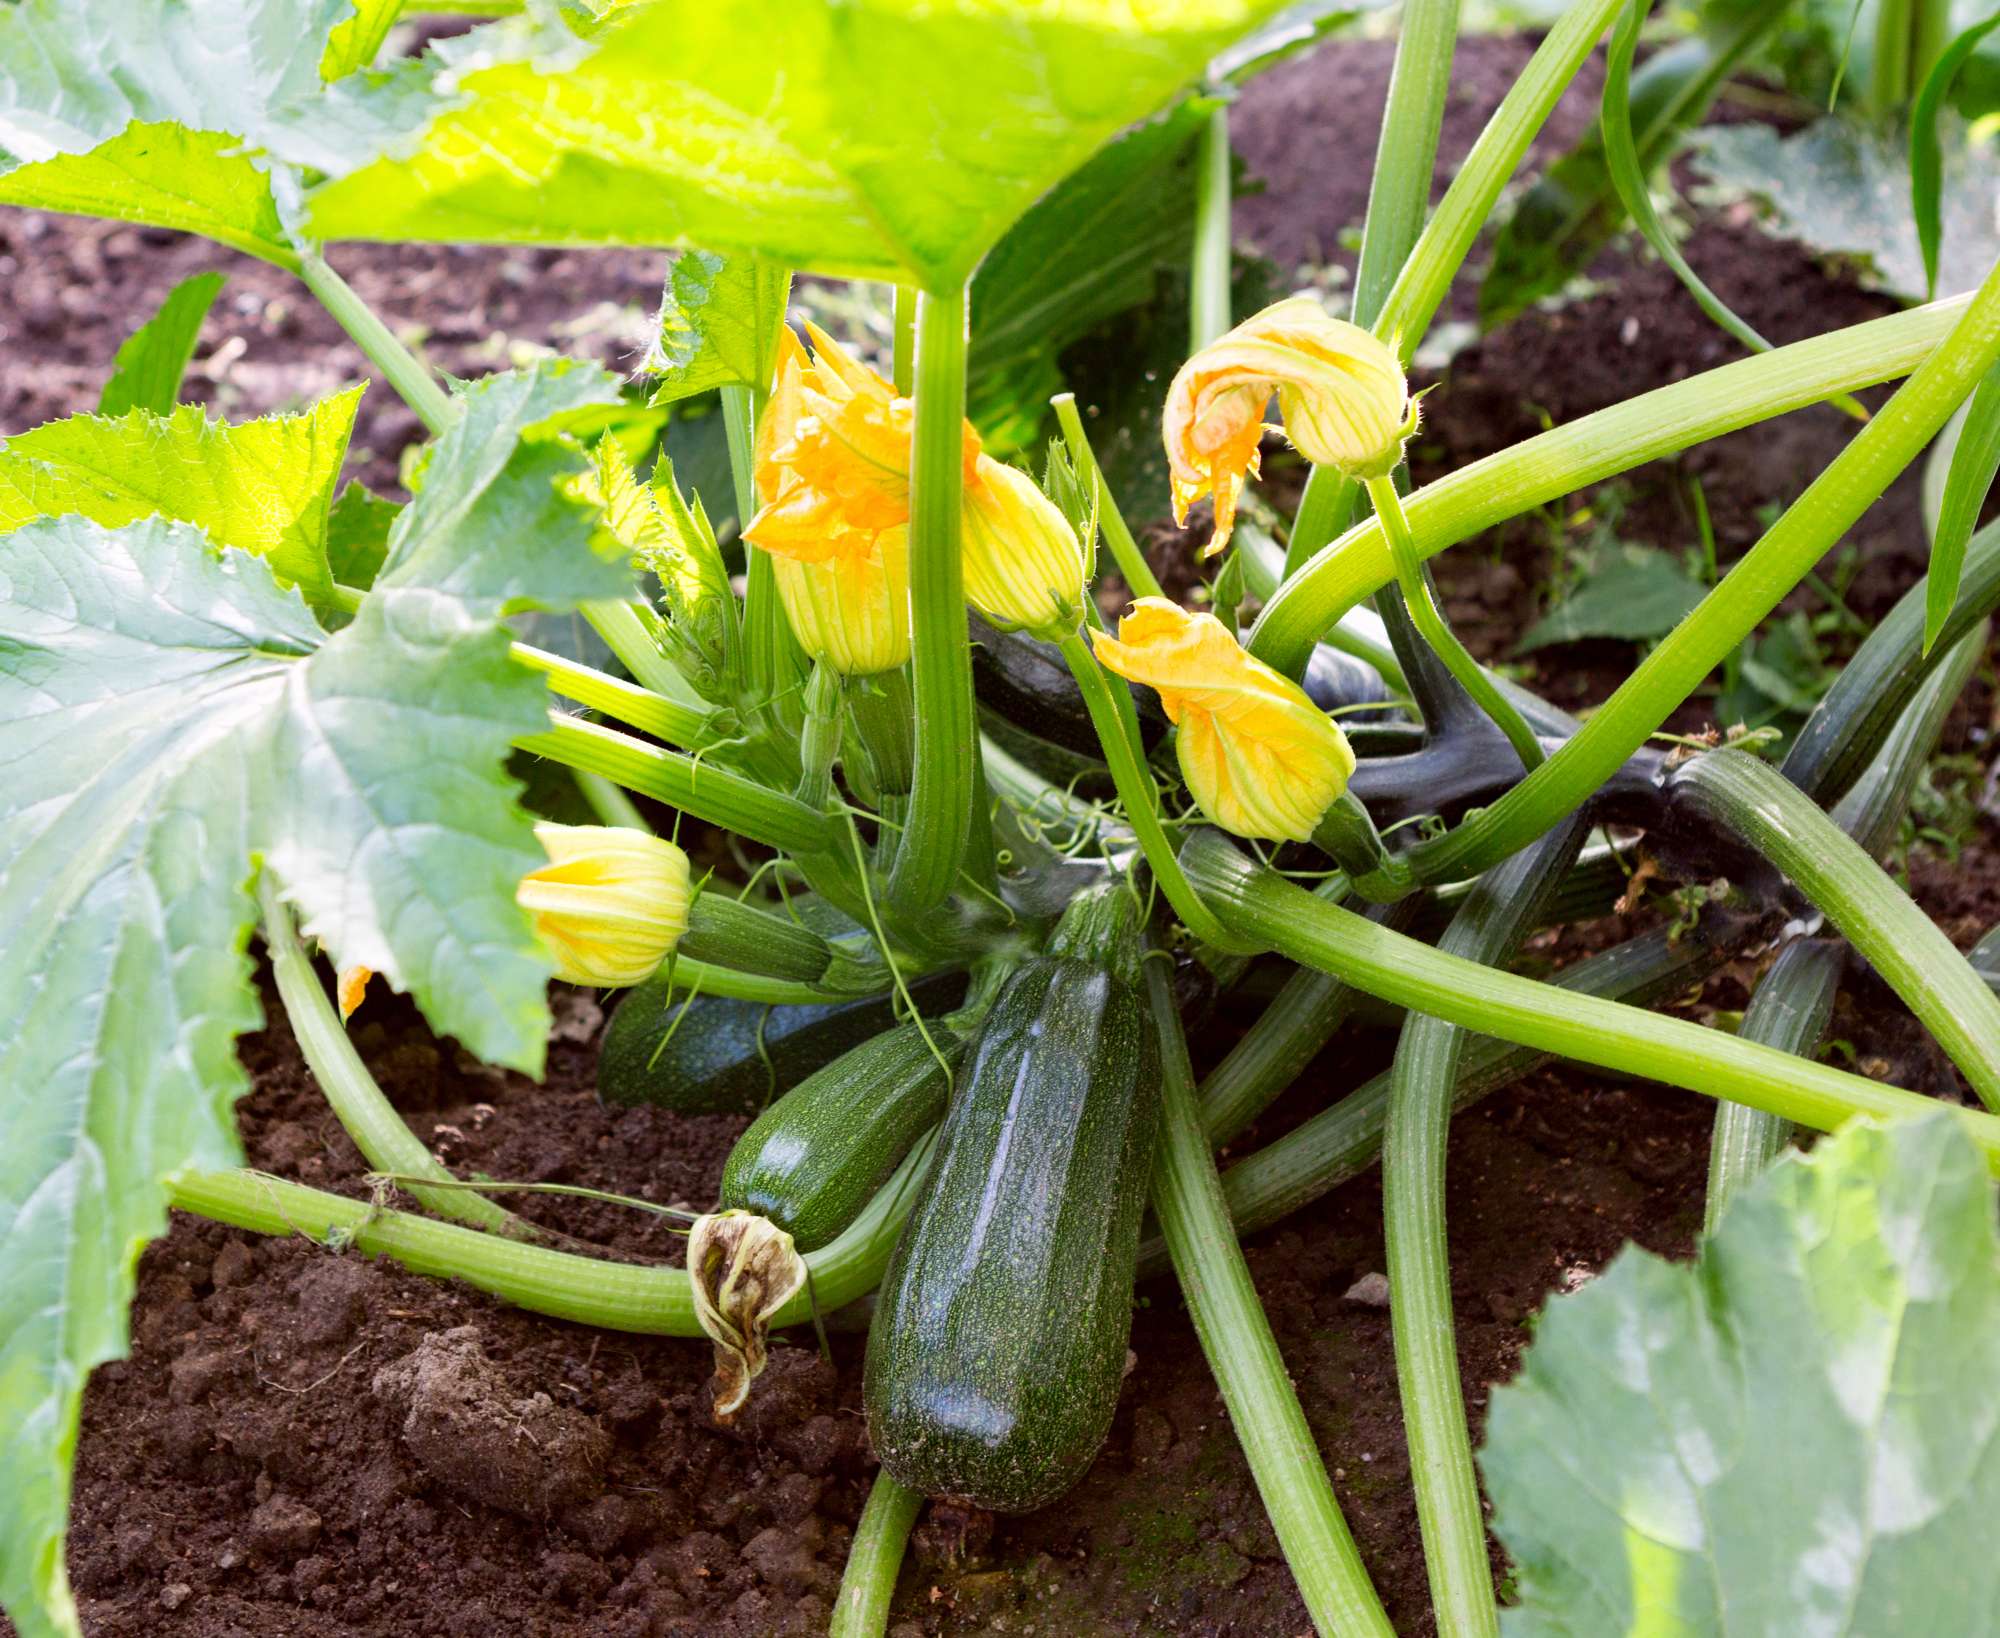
{"type": "Point", "coordinates": [1024, 565]}
{"type": "Point", "coordinates": [851, 609]}
{"type": "Point", "coordinates": [832, 460]}
{"type": "Point", "coordinates": [1340, 390]}
{"type": "Point", "coordinates": [1258, 756]}
{"type": "Point", "coordinates": [611, 903]}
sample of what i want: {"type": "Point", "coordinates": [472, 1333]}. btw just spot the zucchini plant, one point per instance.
{"type": "Point", "coordinates": [997, 851]}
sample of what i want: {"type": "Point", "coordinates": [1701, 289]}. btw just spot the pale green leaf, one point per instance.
{"type": "Point", "coordinates": [172, 111]}
{"type": "Point", "coordinates": [718, 324]}
{"type": "Point", "coordinates": [265, 486]}
{"type": "Point", "coordinates": [491, 525]}
{"type": "Point", "coordinates": [150, 365]}
{"type": "Point", "coordinates": [877, 139]}
{"type": "Point", "coordinates": [1797, 1435]}
{"type": "Point", "coordinates": [1843, 187]}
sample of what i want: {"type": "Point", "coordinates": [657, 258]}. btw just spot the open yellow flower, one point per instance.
{"type": "Point", "coordinates": [611, 903]}
{"type": "Point", "coordinates": [832, 469]}
{"type": "Point", "coordinates": [1024, 565]}
{"type": "Point", "coordinates": [1259, 757]}
{"type": "Point", "coordinates": [1341, 392]}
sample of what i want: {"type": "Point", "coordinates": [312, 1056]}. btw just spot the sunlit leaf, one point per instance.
{"type": "Point", "coordinates": [170, 111]}
{"type": "Point", "coordinates": [265, 486]}
{"type": "Point", "coordinates": [154, 358]}
{"type": "Point", "coordinates": [354, 43]}
{"type": "Point", "coordinates": [880, 139]}
{"type": "Point", "coordinates": [718, 324]}
{"type": "Point", "coordinates": [1796, 1435]}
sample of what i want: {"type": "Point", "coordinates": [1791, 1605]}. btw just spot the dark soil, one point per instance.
{"type": "Point", "coordinates": [317, 1445]}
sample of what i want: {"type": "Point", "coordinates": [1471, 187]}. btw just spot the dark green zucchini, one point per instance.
{"type": "Point", "coordinates": [813, 1159]}
{"type": "Point", "coordinates": [1026, 682]}
{"type": "Point", "coordinates": [728, 1057]}
{"type": "Point", "coordinates": [998, 1343]}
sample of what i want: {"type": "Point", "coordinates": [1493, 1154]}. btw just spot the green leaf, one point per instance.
{"type": "Point", "coordinates": [1974, 460]}
{"type": "Point", "coordinates": [1795, 1435]}
{"type": "Point", "coordinates": [169, 714]}
{"type": "Point", "coordinates": [885, 139]}
{"type": "Point", "coordinates": [172, 112]}
{"type": "Point", "coordinates": [1927, 151]}
{"type": "Point", "coordinates": [492, 524]}
{"type": "Point", "coordinates": [357, 535]}
{"type": "Point", "coordinates": [718, 324]}
{"type": "Point", "coordinates": [1092, 249]}
{"type": "Point", "coordinates": [148, 371]}
{"type": "Point", "coordinates": [1632, 593]}
{"type": "Point", "coordinates": [265, 486]}
{"type": "Point", "coordinates": [354, 43]}
{"type": "Point", "coordinates": [1843, 188]}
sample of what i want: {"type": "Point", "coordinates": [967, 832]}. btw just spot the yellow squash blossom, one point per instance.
{"type": "Point", "coordinates": [832, 469]}
{"type": "Point", "coordinates": [1259, 757]}
{"type": "Point", "coordinates": [611, 903]}
{"type": "Point", "coordinates": [1024, 565]}
{"type": "Point", "coordinates": [1341, 392]}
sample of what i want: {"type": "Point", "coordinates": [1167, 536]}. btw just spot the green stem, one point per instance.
{"type": "Point", "coordinates": [1790, 1010]}
{"type": "Point", "coordinates": [609, 802]}
{"type": "Point", "coordinates": [874, 1560]}
{"type": "Point", "coordinates": [379, 1132]}
{"type": "Point", "coordinates": [1808, 530]}
{"type": "Point", "coordinates": [1263, 906]}
{"type": "Point", "coordinates": [627, 627]}
{"type": "Point", "coordinates": [1598, 446]}
{"type": "Point", "coordinates": [1125, 551]}
{"type": "Point", "coordinates": [403, 370]}
{"type": "Point", "coordinates": [1399, 194]}
{"type": "Point", "coordinates": [1243, 1354]}
{"type": "Point", "coordinates": [1431, 626]}
{"type": "Point", "coordinates": [903, 366]}
{"type": "Point", "coordinates": [819, 738]}
{"type": "Point", "coordinates": [633, 1297]}
{"type": "Point", "coordinates": [942, 787]}
{"type": "Point", "coordinates": [627, 702]}
{"type": "Point", "coordinates": [774, 665]}
{"type": "Point", "coordinates": [1347, 835]}
{"type": "Point", "coordinates": [1140, 796]}
{"type": "Point", "coordinates": [1208, 283]}
{"type": "Point", "coordinates": [705, 789]}
{"type": "Point", "coordinates": [1421, 1085]}
{"type": "Point", "coordinates": [1894, 936]}
{"type": "Point", "coordinates": [1343, 1141]}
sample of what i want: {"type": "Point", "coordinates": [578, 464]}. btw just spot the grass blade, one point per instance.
{"type": "Point", "coordinates": [1973, 464]}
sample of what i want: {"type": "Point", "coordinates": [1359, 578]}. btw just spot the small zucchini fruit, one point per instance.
{"type": "Point", "coordinates": [998, 1343]}
{"type": "Point", "coordinates": [729, 1057]}
{"type": "Point", "coordinates": [814, 1158]}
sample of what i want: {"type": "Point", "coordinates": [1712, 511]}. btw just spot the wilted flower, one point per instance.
{"type": "Point", "coordinates": [1341, 392]}
{"type": "Point", "coordinates": [1259, 757]}
{"type": "Point", "coordinates": [350, 988]}
{"type": "Point", "coordinates": [743, 1269]}
{"type": "Point", "coordinates": [611, 903]}
{"type": "Point", "coordinates": [1024, 565]}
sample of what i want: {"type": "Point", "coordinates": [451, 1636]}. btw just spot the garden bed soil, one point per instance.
{"type": "Point", "coordinates": [312, 1444]}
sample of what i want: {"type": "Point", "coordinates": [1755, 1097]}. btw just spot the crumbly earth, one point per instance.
{"type": "Point", "coordinates": [311, 1445]}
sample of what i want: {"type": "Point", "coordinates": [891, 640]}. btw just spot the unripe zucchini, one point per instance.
{"type": "Point", "coordinates": [998, 1344]}
{"type": "Point", "coordinates": [728, 1057]}
{"type": "Point", "coordinates": [813, 1159]}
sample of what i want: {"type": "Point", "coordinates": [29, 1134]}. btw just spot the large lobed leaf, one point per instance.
{"type": "Point", "coordinates": [1795, 1438]}
{"type": "Point", "coordinates": [170, 714]}
{"type": "Point", "coordinates": [171, 111]}
{"type": "Point", "coordinates": [878, 139]}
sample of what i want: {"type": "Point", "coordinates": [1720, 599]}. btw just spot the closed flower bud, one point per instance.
{"type": "Point", "coordinates": [1340, 390]}
{"type": "Point", "coordinates": [1024, 565]}
{"type": "Point", "coordinates": [1259, 757]}
{"type": "Point", "coordinates": [851, 610]}
{"type": "Point", "coordinates": [610, 904]}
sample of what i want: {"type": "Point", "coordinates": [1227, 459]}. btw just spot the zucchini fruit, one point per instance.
{"type": "Point", "coordinates": [813, 1159]}
{"type": "Point", "coordinates": [1025, 682]}
{"type": "Point", "coordinates": [728, 1057]}
{"type": "Point", "coordinates": [998, 1343]}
